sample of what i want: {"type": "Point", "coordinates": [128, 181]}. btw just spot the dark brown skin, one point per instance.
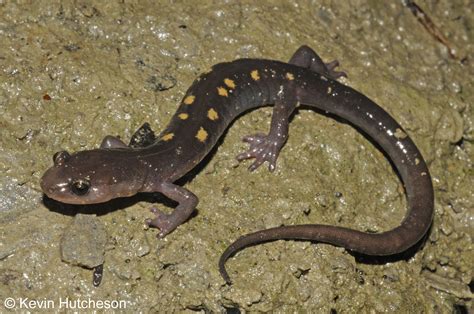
{"type": "Point", "coordinates": [210, 105]}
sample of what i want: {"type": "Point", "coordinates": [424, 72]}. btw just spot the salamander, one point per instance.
{"type": "Point", "coordinates": [215, 99]}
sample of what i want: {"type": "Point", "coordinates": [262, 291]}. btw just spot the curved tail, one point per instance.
{"type": "Point", "coordinates": [343, 101]}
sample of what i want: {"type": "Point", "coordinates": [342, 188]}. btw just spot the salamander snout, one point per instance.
{"type": "Point", "coordinates": [90, 177]}
{"type": "Point", "coordinates": [60, 184]}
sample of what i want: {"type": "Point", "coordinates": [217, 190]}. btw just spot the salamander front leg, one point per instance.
{"type": "Point", "coordinates": [187, 202]}
{"type": "Point", "coordinates": [267, 147]}
{"type": "Point", "coordinates": [143, 137]}
{"type": "Point", "coordinates": [112, 142]}
{"type": "Point", "coordinates": [307, 58]}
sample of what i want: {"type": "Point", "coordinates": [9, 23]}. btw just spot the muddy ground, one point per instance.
{"type": "Point", "coordinates": [72, 72]}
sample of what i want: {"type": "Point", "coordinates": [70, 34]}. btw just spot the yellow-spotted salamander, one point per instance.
{"type": "Point", "coordinates": [150, 164]}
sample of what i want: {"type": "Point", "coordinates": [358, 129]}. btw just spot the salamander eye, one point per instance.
{"type": "Point", "coordinates": [60, 157]}
{"type": "Point", "coordinates": [80, 187]}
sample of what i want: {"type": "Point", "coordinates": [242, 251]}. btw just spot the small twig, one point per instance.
{"type": "Point", "coordinates": [428, 24]}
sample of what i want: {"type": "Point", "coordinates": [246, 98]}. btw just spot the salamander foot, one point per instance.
{"type": "Point", "coordinates": [262, 148]}
{"type": "Point", "coordinates": [331, 72]}
{"type": "Point", "coordinates": [161, 221]}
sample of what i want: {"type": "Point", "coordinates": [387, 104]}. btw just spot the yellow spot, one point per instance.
{"type": "Point", "coordinates": [329, 90]}
{"type": "Point", "coordinates": [183, 116]}
{"type": "Point", "coordinates": [189, 100]}
{"type": "Point", "coordinates": [230, 83]}
{"type": "Point", "coordinates": [201, 135]}
{"type": "Point", "coordinates": [417, 161]}
{"type": "Point", "coordinates": [254, 74]}
{"type": "Point", "coordinates": [290, 76]}
{"type": "Point", "coordinates": [167, 137]}
{"type": "Point", "coordinates": [212, 114]}
{"type": "Point", "coordinates": [222, 91]}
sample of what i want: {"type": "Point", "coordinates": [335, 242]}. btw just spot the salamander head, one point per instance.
{"type": "Point", "coordinates": [92, 176]}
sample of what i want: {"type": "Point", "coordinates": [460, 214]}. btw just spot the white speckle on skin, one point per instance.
{"type": "Point", "coordinates": [280, 92]}
{"type": "Point", "coordinates": [401, 146]}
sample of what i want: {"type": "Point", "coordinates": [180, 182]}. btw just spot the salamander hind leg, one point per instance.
{"type": "Point", "coordinates": [187, 202]}
{"type": "Point", "coordinates": [307, 58]}
{"type": "Point", "coordinates": [266, 148]}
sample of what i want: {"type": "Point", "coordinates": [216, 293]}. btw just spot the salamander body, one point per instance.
{"type": "Point", "coordinates": [215, 99]}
